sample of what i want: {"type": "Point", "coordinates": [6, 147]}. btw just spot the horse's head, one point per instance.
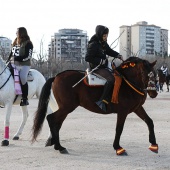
{"type": "Point", "coordinates": [138, 72]}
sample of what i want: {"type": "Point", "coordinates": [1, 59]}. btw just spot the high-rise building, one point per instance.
{"type": "Point", "coordinates": [5, 47]}
{"type": "Point", "coordinates": [143, 40]}
{"type": "Point", "coordinates": [68, 45]}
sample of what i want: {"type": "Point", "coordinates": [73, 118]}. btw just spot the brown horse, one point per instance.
{"type": "Point", "coordinates": [163, 79]}
{"type": "Point", "coordinates": [59, 93]}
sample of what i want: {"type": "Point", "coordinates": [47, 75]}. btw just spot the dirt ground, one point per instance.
{"type": "Point", "coordinates": [89, 137]}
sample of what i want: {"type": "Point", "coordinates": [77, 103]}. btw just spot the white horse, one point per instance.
{"type": "Point", "coordinates": [8, 97]}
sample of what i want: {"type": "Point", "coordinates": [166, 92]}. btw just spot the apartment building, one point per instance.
{"type": "Point", "coordinates": [5, 47]}
{"type": "Point", "coordinates": [68, 45]}
{"type": "Point", "coordinates": [142, 39]}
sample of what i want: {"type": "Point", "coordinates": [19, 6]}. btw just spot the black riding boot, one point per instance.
{"type": "Point", "coordinates": [24, 100]}
{"type": "Point", "coordinates": [105, 98]}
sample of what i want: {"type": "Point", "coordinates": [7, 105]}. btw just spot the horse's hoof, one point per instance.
{"type": "Point", "coordinates": [15, 138]}
{"type": "Point", "coordinates": [61, 149]}
{"type": "Point", "coordinates": [121, 151]}
{"type": "Point", "coordinates": [64, 151]}
{"type": "Point", "coordinates": [5, 143]}
{"type": "Point", "coordinates": [154, 148]}
{"type": "Point", "coordinates": [49, 142]}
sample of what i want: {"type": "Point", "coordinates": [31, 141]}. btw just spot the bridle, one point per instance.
{"type": "Point", "coordinates": [141, 91]}
{"type": "Point", "coordinates": [151, 82]}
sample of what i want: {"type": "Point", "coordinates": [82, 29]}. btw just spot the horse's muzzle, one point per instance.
{"type": "Point", "coordinates": [152, 93]}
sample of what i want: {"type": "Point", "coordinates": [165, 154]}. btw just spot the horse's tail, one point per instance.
{"type": "Point", "coordinates": [42, 108]}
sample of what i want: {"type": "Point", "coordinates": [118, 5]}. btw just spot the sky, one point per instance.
{"type": "Point", "coordinates": [43, 18]}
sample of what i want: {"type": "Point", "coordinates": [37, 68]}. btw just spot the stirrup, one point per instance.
{"type": "Point", "coordinates": [24, 102]}
{"type": "Point", "coordinates": [102, 105]}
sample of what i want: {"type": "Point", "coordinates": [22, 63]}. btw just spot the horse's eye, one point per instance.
{"type": "Point", "coordinates": [132, 64]}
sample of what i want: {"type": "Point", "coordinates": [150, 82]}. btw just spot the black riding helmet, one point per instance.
{"type": "Point", "coordinates": [100, 31]}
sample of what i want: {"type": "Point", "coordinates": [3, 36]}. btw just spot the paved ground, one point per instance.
{"type": "Point", "coordinates": [88, 138]}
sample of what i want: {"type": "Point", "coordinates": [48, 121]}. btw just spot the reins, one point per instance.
{"type": "Point", "coordinates": [5, 82]}
{"type": "Point", "coordinates": [141, 91]}
{"type": "Point", "coordinates": [7, 78]}
{"type": "Point", "coordinates": [131, 84]}
{"type": "Point", "coordinates": [4, 69]}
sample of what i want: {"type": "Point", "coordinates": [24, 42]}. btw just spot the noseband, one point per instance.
{"type": "Point", "coordinates": [151, 82]}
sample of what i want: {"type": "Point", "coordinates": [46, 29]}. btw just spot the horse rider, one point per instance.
{"type": "Point", "coordinates": [97, 50]}
{"type": "Point", "coordinates": [21, 54]}
{"type": "Point", "coordinates": [164, 70]}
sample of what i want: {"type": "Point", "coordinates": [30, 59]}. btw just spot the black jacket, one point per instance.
{"type": "Point", "coordinates": [22, 54]}
{"type": "Point", "coordinates": [97, 50]}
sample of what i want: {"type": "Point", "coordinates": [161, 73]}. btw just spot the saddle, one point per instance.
{"type": "Point", "coordinates": [94, 79]}
{"type": "Point", "coordinates": [17, 83]}
{"type": "Point", "coordinates": [12, 67]}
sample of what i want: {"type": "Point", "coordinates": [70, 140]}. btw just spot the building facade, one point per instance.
{"type": "Point", "coordinates": [68, 45]}
{"type": "Point", "coordinates": [5, 47]}
{"type": "Point", "coordinates": [143, 40]}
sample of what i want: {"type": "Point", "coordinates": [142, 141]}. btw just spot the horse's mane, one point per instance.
{"type": "Point", "coordinates": [130, 59]}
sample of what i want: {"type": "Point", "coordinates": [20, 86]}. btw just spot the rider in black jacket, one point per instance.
{"type": "Point", "coordinates": [96, 55]}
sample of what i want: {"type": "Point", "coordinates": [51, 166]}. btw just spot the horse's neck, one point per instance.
{"type": "Point", "coordinates": [4, 72]}
{"type": "Point", "coordinates": [2, 65]}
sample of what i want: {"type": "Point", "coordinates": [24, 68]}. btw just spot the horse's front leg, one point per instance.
{"type": "Point", "coordinates": [119, 128]}
{"type": "Point", "coordinates": [24, 119]}
{"type": "Point", "coordinates": [5, 142]}
{"type": "Point", "coordinates": [167, 86]}
{"type": "Point", "coordinates": [143, 115]}
{"type": "Point", "coordinates": [161, 87]}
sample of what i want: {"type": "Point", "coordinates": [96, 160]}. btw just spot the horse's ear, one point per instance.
{"type": "Point", "coordinates": [153, 64]}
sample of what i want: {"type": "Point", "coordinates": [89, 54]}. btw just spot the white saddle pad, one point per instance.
{"type": "Point", "coordinates": [95, 79]}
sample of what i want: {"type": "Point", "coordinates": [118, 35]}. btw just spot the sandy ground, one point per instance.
{"type": "Point", "coordinates": [88, 137]}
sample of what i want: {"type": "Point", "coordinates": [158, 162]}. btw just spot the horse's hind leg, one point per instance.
{"type": "Point", "coordinates": [161, 87]}
{"type": "Point", "coordinates": [24, 119]}
{"type": "Point", "coordinates": [55, 121]}
{"type": "Point", "coordinates": [49, 141]}
{"type": "Point", "coordinates": [143, 115]}
{"type": "Point", "coordinates": [121, 117]}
